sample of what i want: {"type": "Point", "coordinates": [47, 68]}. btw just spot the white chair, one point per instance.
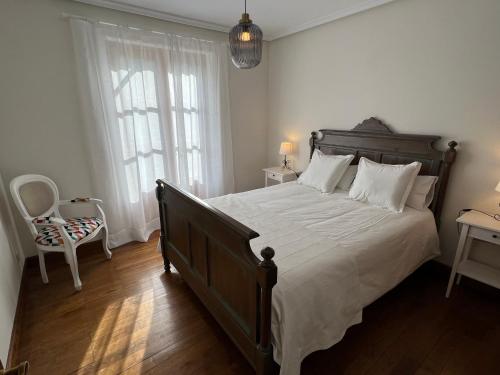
{"type": "Point", "coordinates": [37, 199]}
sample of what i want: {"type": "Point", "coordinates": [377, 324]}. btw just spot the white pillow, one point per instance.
{"type": "Point", "coordinates": [325, 171]}
{"type": "Point", "coordinates": [348, 177]}
{"type": "Point", "coordinates": [384, 185]}
{"type": "Point", "coordinates": [422, 192]}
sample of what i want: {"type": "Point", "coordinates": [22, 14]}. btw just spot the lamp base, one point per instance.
{"type": "Point", "coordinates": [286, 163]}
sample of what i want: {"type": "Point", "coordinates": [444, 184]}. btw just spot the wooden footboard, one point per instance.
{"type": "Point", "coordinates": [212, 253]}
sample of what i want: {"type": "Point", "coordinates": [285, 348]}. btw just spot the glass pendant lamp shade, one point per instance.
{"type": "Point", "coordinates": [245, 43]}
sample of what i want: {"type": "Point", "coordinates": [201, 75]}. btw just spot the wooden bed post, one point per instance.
{"type": "Point", "coordinates": [314, 136]}
{"type": "Point", "coordinates": [444, 173]}
{"type": "Point", "coordinates": [163, 222]}
{"type": "Point", "coordinates": [267, 274]}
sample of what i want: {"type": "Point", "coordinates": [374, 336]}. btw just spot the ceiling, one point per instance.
{"type": "Point", "coordinates": [276, 18]}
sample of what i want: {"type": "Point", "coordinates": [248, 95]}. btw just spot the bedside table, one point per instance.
{"type": "Point", "coordinates": [279, 174]}
{"type": "Point", "coordinates": [483, 227]}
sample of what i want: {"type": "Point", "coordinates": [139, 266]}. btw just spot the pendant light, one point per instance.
{"type": "Point", "coordinates": [245, 43]}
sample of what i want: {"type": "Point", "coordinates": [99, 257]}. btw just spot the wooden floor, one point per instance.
{"type": "Point", "coordinates": [133, 318]}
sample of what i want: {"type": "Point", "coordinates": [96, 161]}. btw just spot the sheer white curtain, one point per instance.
{"type": "Point", "coordinates": [155, 106]}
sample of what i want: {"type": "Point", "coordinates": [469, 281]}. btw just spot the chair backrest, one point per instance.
{"type": "Point", "coordinates": [34, 195]}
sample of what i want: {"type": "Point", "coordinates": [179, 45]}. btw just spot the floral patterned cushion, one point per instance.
{"type": "Point", "coordinates": [77, 228]}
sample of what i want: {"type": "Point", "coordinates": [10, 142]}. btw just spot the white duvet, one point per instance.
{"type": "Point", "coordinates": [334, 256]}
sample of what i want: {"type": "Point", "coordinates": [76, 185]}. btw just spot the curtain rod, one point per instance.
{"type": "Point", "coordinates": [65, 15]}
{"type": "Point", "coordinates": [93, 20]}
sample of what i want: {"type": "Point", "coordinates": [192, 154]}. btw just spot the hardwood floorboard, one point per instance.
{"type": "Point", "coordinates": [132, 318]}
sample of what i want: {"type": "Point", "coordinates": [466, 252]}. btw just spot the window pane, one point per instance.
{"type": "Point", "coordinates": [154, 130]}
{"type": "Point", "coordinates": [125, 125]}
{"type": "Point", "coordinates": [132, 182]}
{"type": "Point", "coordinates": [159, 166]}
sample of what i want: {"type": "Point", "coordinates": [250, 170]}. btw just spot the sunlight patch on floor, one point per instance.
{"type": "Point", "coordinates": [121, 337]}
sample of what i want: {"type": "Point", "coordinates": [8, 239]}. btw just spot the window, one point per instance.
{"type": "Point", "coordinates": [142, 127]}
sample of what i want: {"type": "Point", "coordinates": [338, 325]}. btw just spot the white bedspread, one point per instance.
{"type": "Point", "coordinates": [334, 257]}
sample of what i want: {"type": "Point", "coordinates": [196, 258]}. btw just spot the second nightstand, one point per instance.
{"type": "Point", "coordinates": [483, 227]}
{"type": "Point", "coordinates": [279, 174]}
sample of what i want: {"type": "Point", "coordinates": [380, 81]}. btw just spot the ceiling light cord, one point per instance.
{"type": "Point", "coordinates": [245, 6]}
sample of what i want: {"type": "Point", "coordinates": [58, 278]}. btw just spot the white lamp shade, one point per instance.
{"type": "Point", "coordinates": [498, 187]}
{"type": "Point", "coordinates": [285, 148]}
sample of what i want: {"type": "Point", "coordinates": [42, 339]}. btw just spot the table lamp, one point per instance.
{"type": "Point", "coordinates": [286, 149]}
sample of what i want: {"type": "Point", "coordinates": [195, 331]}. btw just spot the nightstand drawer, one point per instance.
{"type": "Point", "coordinates": [485, 235]}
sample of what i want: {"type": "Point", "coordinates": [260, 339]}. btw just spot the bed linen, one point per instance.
{"type": "Point", "coordinates": [334, 256]}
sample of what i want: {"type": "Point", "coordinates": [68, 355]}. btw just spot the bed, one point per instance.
{"type": "Point", "coordinates": [334, 255]}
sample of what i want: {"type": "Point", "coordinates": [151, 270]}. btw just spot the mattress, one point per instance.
{"type": "Point", "coordinates": [334, 256]}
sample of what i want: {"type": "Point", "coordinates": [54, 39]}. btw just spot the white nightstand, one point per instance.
{"type": "Point", "coordinates": [279, 174]}
{"type": "Point", "coordinates": [483, 227]}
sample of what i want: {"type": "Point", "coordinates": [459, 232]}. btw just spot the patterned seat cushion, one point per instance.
{"type": "Point", "coordinates": [77, 228]}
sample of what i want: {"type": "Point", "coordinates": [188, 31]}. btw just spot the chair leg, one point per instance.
{"type": "Point", "coordinates": [43, 271]}
{"type": "Point", "coordinates": [73, 264]}
{"type": "Point", "coordinates": [105, 244]}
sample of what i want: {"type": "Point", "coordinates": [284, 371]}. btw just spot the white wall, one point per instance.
{"type": "Point", "coordinates": [421, 66]}
{"type": "Point", "coordinates": [10, 276]}
{"type": "Point", "coordinates": [40, 118]}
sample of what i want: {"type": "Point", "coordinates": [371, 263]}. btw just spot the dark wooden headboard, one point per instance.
{"type": "Point", "coordinates": [374, 140]}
